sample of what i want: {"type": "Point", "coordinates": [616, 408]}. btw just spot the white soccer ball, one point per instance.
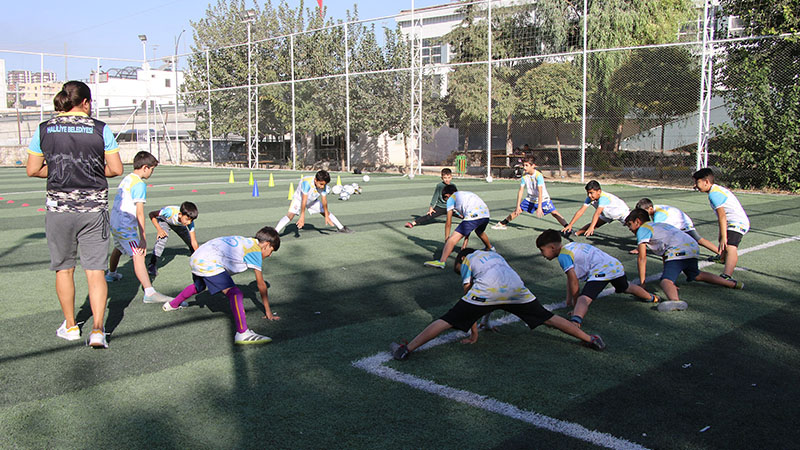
{"type": "Point", "coordinates": [365, 178]}
{"type": "Point", "coordinates": [344, 196]}
{"type": "Point", "coordinates": [489, 179]}
{"type": "Point", "coordinates": [337, 189]}
{"type": "Point", "coordinates": [349, 189]}
{"type": "Point", "coordinates": [411, 175]}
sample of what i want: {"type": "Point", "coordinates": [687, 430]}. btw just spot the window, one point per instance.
{"type": "Point", "coordinates": [431, 51]}
{"type": "Point", "coordinates": [134, 101]}
{"type": "Point", "coordinates": [166, 82]}
{"type": "Point", "coordinates": [106, 102]}
{"type": "Point", "coordinates": [327, 141]}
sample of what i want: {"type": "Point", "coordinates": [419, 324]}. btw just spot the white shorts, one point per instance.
{"type": "Point", "coordinates": [314, 207]}
{"type": "Point", "coordinates": [125, 239]}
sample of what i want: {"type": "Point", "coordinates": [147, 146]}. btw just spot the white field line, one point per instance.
{"type": "Point", "coordinates": [374, 365]}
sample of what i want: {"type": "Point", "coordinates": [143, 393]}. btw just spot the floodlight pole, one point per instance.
{"type": "Point", "coordinates": [249, 20]}
{"type": "Point", "coordinates": [175, 72]}
{"type": "Point", "coordinates": [583, 101]}
{"type": "Point", "coordinates": [706, 87]}
{"type": "Point", "coordinates": [294, 127]}
{"type": "Point", "coordinates": [489, 93]}
{"type": "Point", "coordinates": [210, 122]}
{"type": "Point", "coordinates": [347, 91]}
{"type": "Point", "coordinates": [145, 69]}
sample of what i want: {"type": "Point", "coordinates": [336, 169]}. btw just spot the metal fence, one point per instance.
{"type": "Point", "coordinates": [397, 93]}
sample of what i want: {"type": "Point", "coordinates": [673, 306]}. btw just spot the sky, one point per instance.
{"type": "Point", "coordinates": [110, 29]}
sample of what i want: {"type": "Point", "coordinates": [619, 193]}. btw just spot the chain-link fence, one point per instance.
{"type": "Point", "coordinates": [645, 91]}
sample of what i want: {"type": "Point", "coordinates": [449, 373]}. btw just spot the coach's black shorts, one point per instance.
{"type": "Point", "coordinates": [463, 314]}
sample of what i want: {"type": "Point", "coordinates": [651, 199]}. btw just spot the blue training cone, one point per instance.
{"type": "Point", "coordinates": [255, 188]}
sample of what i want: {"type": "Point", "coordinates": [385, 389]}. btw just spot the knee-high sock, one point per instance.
{"type": "Point", "coordinates": [187, 292]}
{"type": "Point", "coordinates": [282, 224]}
{"type": "Point", "coordinates": [237, 308]}
{"type": "Point", "coordinates": [335, 221]}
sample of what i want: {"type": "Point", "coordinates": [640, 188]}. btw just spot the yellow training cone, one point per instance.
{"type": "Point", "coordinates": [251, 179]}
{"type": "Point", "coordinates": [338, 180]}
{"type": "Point", "coordinates": [291, 190]}
{"type": "Point", "coordinates": [271, 181]}
{"type": "Point", "coordinates": [230, 178]}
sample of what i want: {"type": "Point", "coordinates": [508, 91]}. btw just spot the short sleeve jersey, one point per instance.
{"type": "Point", "coordinates": [74, 146]}
{"type": "Point", "coordinates": [613, 207]}
{"type": "Point", "coordinates": [232, 254]}
{"type": "Point", "coordinates": [720, 197]}
{"type": "Point", "coordinates": [532, 183]}
{"type": "Point", "coordinates": [169, 214]}
{"type": "Point", "coordinates": [672, 216]}
{"type": "Point", "coordinates": [131, 190]}
{"type": "Point", "coordinates": [307, 187]}
{"type": "Point", "coordinates": [589, 262]}
{"type": "Point", "coordinates": [469, 205]}
{"type": "Point", "coordinates": [493, 281]}
{"type": "Point", "coordinates": [667, 241]}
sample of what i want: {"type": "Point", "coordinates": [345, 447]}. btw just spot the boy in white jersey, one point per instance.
{"type": "Point", "coordinates": [537, 198]}
{"type": "Point", "coordinates": [583, 262]}
{"type": "Point", "coordinates": [475, 215]}
{"type": "Point", "coordinates": [312, 196]}
{"type": "Point", "coordinates": [212, 265]}
{"type": "Point", "coordinates": [679, 252]}
{"type": "Point", "coordinates": [676, 218]}
{"type": "Point", "coordinates": [127, 225]}
{"type": "Point", "coordinates": [490, 284]}
{"type": "Point", "coordinates": [609, 208]}
{"type": "Point", "coordinates": [178, 219]}
{"type": "Point", "coordinates": [733, 221]}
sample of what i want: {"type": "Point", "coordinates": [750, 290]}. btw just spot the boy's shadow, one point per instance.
{"type": "Point", "coordinates": [219, 302]}
{"type": "Point", "coordinates": [306, 227]}
{"type": "Point", "coordinates": [430, 245]}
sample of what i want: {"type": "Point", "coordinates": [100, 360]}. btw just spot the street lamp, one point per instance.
{"type": "Point", "coordinates": [175, 74]}
{"type": "Point", "coordinates": [248, 17]}
{"type": "Point", "coordinates": [145, 68]}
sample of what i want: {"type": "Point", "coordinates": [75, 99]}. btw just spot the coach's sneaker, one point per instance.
{"type": "Point", "coordinates": [168, 307]}
{"type": "Point", "coordinates": [157, 297]}
{"type": "Point", "coordinates": [399, 351]}
{"type": "Point", "coordinates": [596, 343]}
{"type": "Point", "coordinates": [98, 339]}
{"type": "Point", "coordinates": [250, 338]}
{"type": "Point", "coordinates": [499, 226]}
{"type": "Point", "coordinates": [72, 333]}
{"type": "Point", "coordinates": [672, 305]}
{"type": "Point", "coordinates": [435, 263]}
{"type": "Point", "coordinates": [345, 230]}
{"type": "Point", "coordinates": [113, 276]}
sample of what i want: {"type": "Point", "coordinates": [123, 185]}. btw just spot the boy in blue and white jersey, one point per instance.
{"type": "Point", "coordinates": [584, 262]}
{"type": "Point", "coordinates": [608, 206]}
{"type": "Point", "coordinates": [312, 196]}
{"type": "Point", "coordinates": [212, 265]}
{"type": "Point", "coordinates": [490, 284]}
{"type": "Point", "coordinates": [179, 219]}
{"type": "Point", "coordinates": [676, 218]}
{"type": "Point", "coordinates": [679, 252]}
{"type": "Point", "coordinates": [127, 225]}
{"type": "Point", "coordinates": [733, 221]}
{"type": "Point", "coordinates": [475, 216]}
{"type": "Point", "coordinates": [537, 198]}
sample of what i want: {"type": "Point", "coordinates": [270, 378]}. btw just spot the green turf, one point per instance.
{"type": "Point", "coordinates": [175, 380]}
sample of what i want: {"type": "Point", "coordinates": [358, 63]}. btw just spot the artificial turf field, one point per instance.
{"type": "Point", "coordinates": [720, 375]}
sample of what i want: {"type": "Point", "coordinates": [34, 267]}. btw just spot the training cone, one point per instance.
{"type": "Point", "coordinates": [255, 188]}
{"type": "Point", "coordinates": [291, 190]}
{"type": "Point", "coordinates": [251, 179]}
{"type": "Point", "coordinates": [338, 180]}
{"type": "Point", "coordinates": [271, 181]}
{"type": "Point", "coordinates": [230, 178]}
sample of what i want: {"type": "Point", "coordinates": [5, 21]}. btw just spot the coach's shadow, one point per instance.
{"type": "Point", "coordinates": [430, 245]}
{"type": "Point", "coordinates": [123, 295]}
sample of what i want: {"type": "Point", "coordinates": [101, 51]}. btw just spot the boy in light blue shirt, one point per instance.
{"type": "Point", "coordinates": [179, 219]}
{"type": "Point", "coordinates": [475, 215]}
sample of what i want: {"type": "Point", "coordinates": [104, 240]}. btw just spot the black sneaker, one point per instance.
{"type": "Point", "coordinates": [345, 230]}
{"type": "Point", "coordinates": [596, 343]}
{"type": "Point", "coordinates": [566, 234]}
{"type": "Point", "coordinates": [725, 276]}
{"type": "Point", "coordinates": [399, 351]}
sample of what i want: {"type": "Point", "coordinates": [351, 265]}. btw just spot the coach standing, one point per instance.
{"type": "Point", "coordinates": [76, 153]}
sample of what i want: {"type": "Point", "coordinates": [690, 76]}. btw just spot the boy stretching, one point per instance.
{"type": "Point", "coordinates": [127, 225]}
{"type": "Point", "coordinates": [608, 206]}
{"type": "Point", "coordinates": [476, 217]}
{"type": "Point", "coordinates": [584, 262]}
{"type": "Point", "coordinates": [212, 265]}
{"type": "Point", "coordinates": [733, 221]}
{"type": "Point", "coordinates": [537, 199]}
{"type": "Point", "coordinates": [676, 218]}
{"type": "Point", "coordinates": [679, 252]}
{"type": "Point", "coordinates": [490, 284]}
{"type": "Point", "coordinates": [178, 219]}
{"type": "Point", "coordinates": [312, 196]}
{"type": "Point", "coordinates": [438, 204]}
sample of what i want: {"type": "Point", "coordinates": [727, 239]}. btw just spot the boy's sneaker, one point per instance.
{"type": "Point", "coordinates": [71, 334]}
{"type": "Point", "coordinates": [596, 343]}
{"type": "Point", "coordinates": [168, 307]}
{"type": "Point", "coordinates": [157, 297]}
{"type": "Point", "coordinates": [566, 234]}
{"type": "Point", "coordinates": [98, 339]}
{"type": "Point", "coordinates": [653, 299]}
{"type": "Point", "coordinates": [345, 230]}
{"type": "Point", "coordinates": [739, 284]}
{"type": "Point", "coordinates": [399, 351]}
{"type": "Point", "coordinates": [113, 276]}
{"type": "Point", "coordinates": [715, 258]}
{"type": "Point", "coordinates": [435, 263]}
{"type": "Point", "coordinates": [409, 225]}
{"type": "Point", "coordinates": [499, 226]}
{"type": "Point", "coordinates": [152, 270]}
{"type": "Point", "coordinates": [671, 305]}
{"type": "Point", "coordinates": [249, 337]}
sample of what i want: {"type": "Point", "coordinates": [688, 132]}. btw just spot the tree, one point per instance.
{"type": "Point", "coordinates": [762, 93]}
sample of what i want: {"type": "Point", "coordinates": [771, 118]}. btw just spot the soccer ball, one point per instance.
{"type": "Point", "coordinates": [349, 189]}
{"type": "Point", "coordinates": [337, 189]}
{"type": "Point", "coordinates": [356, 188]}
{"type": "Point", "coordinates": [365, 178]}
{"type": "Point", "coordinates": [411, 175]}
{"type": "Point", "coordinates": [344, 196]}
{"type": "Point", "coordinates": [489, 179]}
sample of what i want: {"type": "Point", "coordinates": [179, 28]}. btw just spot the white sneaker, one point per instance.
{"type": "Point", "coordinates": [113, 276]}
{"type": "Point", "coordinates": [672, 306]}
{"type": "Point", "coordinates": [157, 298]}
{"type": "Point", "coordinates": [168, 307]}
{"type": "Point", "coordinates": [71, 334]}
{"type": "Point", "coordinates": [499, 226]}
{"type": "Point", "coordinates": [98, 339]}
{"type": "Point", "coordinates": [249, 338]}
